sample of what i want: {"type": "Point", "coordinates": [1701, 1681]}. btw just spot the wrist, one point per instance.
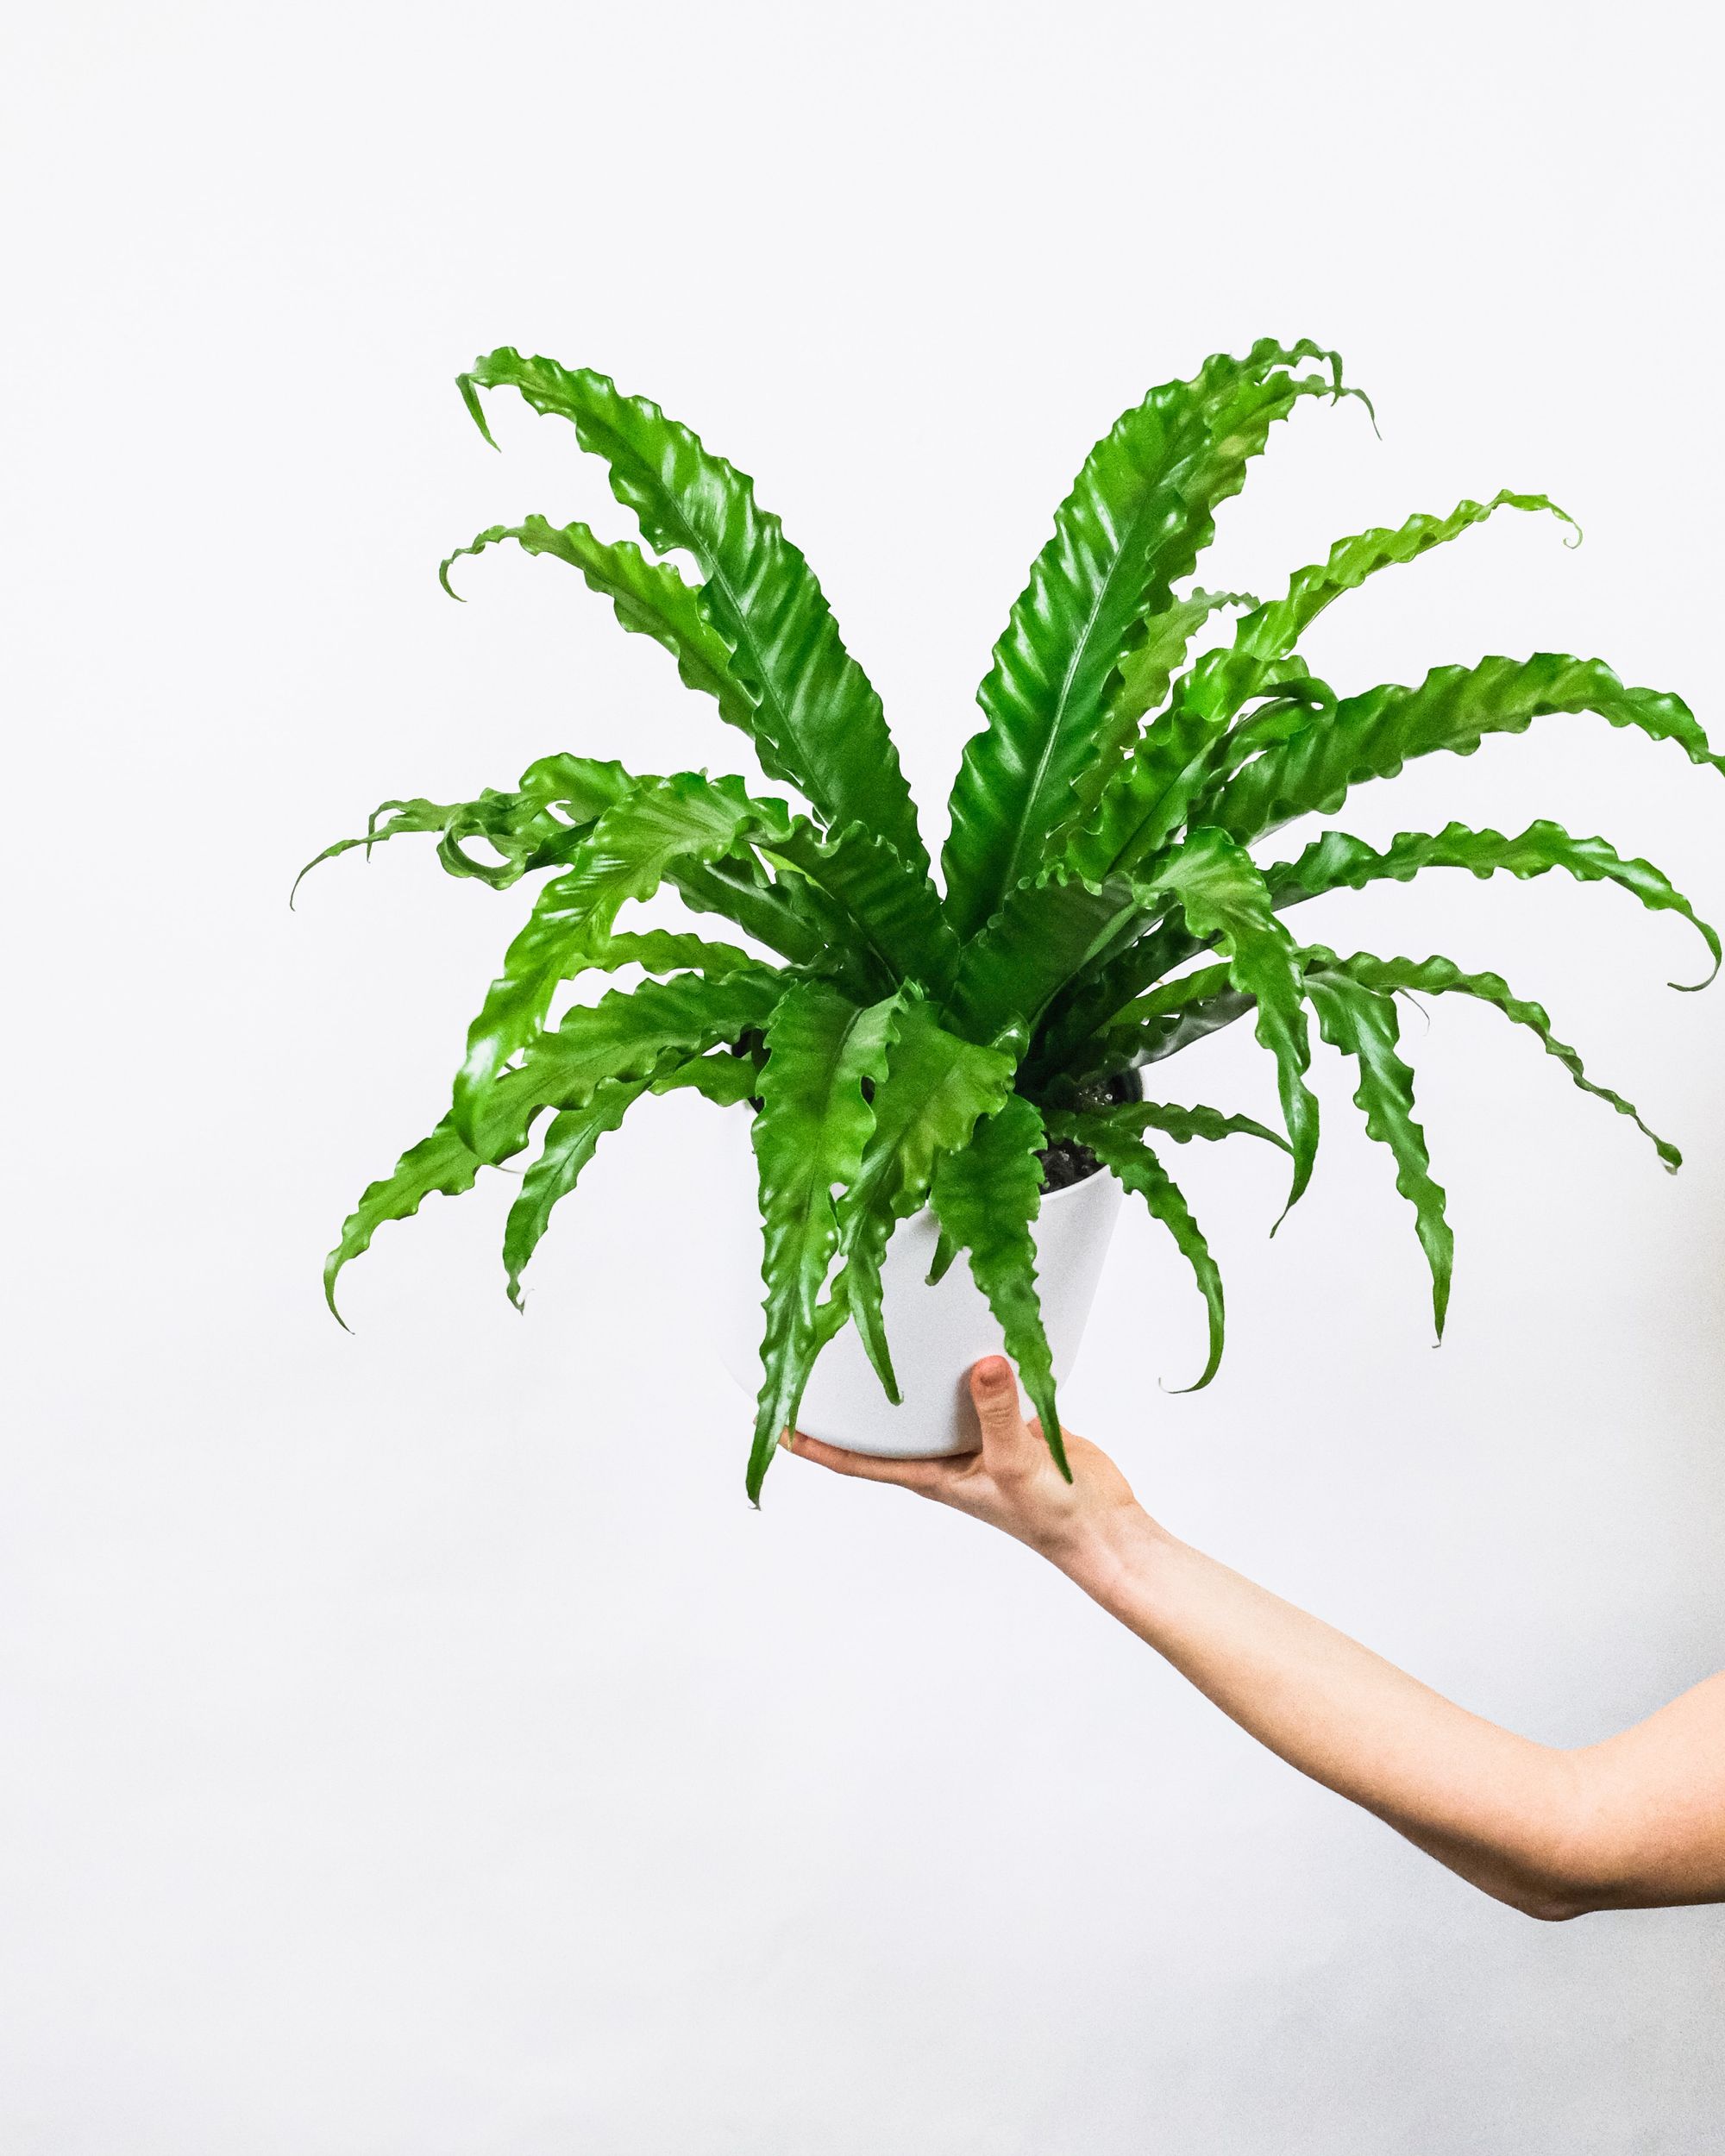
{"type": "Point", "coordinates": [1108, 1550]}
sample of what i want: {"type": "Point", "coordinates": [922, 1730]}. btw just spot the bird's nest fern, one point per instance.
{"type": "Point", "coordinates": [1102, 907]}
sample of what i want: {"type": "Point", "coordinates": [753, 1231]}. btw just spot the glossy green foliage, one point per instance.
{"type": "Point", "coordinates": [626, 855]}
{"type": "Point", "coordinates": [1137, 517]}
{"type": "Point", "coordinates": [1361, 1022]}
{"type": "Point", "coordinates": [649, 598]}
{"type": "Point", "coordinates": [1225, 900]}
{"type": "Point", "coordinates": [1442, 977]}
{"type": "Point", "coordinates": [813, 1124]}
{"type": "Point", "coordinates": [1372, 736]}
{"type": "Point", "coordinates": [817, 722]}
{"type": "Point", "coordinates": [937, 1087]}
{"type": "Point", "coordinates": [986, 1195]}
{"type": "Point", "coordinates": [1117, 1140]}
{"type": "Point", "coordinates": [1272, 631]}
{"type": "Point", "coordinates": [1335, 861]}
{"type": "Point", "coordinates": [570, 1142]}
{"type": "Point", "coordinates": [1107, 899]}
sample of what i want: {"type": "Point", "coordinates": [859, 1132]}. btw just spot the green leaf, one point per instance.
{"type": "Point", "coordinates": [1292, 703]}
{"type": "Point", "coordinates": [1178, 994]}
{"type": "Point", "coordinates": [1091, 999]}
{"type": "Point", "coordinates": [648, 598]}
{"type": "Point", "coordinates": [1223, 893]}
{"type": "Point", "coordinates": [543, 823]}
{"type": "Point", "coordinates": [1145, 682]}
{"type": "Point", "coordinates": [442, 1164]}
{"type": "Point", "coordinates": [740, 890]}
{"type": "Point", "coordinates": [558, 799]}
{"type": "Point", "coordinates": [404, 817]}
{"type": "Point", "coordinates": [1143, 1041]}
{"type": "Point", "coordinates": [1182, 1124]}
{"type": "Point", "coordinates": [1272, 631]}
{"type": "Point", "coordinates": [627, 855]}
{"type": "Point", "coordinates": [1335, 859]}
{"type": "Point", "coordinates": [1047, 932]}
{"type": "Point", "coordinates": [936, 1086]}
{"type": "Point", "coordinates": [809, 1138]}
{"type": "Point", "coordinates": [623, 1035]}
{"type": "Point", "coordinates": [1147, 673]}
{"type": "Point", "coordinates": [660, 950]}
{"type": "Point", "coordinates": [892, 907]}
{"type": "Point", "coordinates": [1115, 1138]}
{"type": "Point", "coordinates": [985, 1195]}
{"type": "Point", "coordinates": [724, 1079]}
{"type": "Point", "coordinates": [1139, 513]}
{"type": "Point", "coordinates": [1150, 795]}
{"type": "Point", "coordinates": [570, 1143]}
{"type": "Point", "coordinates": [1371, 737]}
{"type": "Point", "coordinates": [1440, 976]}
{"type": "Point", "coordinates": [817, 722]}
{"type": "Point", "coordinates": [1361, 1022]}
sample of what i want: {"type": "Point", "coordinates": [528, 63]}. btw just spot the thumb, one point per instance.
{"type": "Point", "coordinates": [994, 1391]}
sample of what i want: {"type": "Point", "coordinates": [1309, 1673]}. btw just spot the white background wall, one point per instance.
{"type": "Point", "coordinates": [411, 1743]}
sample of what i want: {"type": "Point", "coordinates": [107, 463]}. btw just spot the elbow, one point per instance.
{"type": "Point", "coordinates": [1573, 1867]}
{"type": "Point", "coordinates": [1549, 1903]}
{"type": "Point", "coordinates": [1563, 1871]}
{"type": "Point", "coordinates": [1553, 1893]}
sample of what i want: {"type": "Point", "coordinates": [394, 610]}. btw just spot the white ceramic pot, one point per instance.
{"type": "Point", "coordinates": [935, 1333]}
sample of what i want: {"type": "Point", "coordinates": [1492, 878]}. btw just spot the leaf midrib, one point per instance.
{"type": "Point", "coordinates": [1010, 875]}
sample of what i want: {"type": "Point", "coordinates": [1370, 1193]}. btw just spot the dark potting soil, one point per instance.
{"type": "Point", "coordinates": [1067, 1163]}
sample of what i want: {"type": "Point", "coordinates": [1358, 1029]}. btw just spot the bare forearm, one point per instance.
{"type": "Point", "coordinates": [1640, 1820]}
{"type": "Point", "coordinates": [1498, 1808]}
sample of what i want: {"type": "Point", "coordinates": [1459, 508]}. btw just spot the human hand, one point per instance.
{"type": "Point", "coordinates": [1011, 1482]}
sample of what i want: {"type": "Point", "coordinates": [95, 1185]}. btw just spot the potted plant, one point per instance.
{"type": "Point", "coordinates": [965, 1055]}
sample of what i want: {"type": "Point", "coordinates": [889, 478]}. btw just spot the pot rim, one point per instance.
{"type": "Point", "coordinates": [1053, 1197]}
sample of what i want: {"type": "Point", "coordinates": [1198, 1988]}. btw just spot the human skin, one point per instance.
{"type": "Point", "coordinates": [1636, 1822]}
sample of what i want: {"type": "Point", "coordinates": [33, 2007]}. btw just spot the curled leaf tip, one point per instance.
{"type": "Point", "coordinates": [1302, 1176]}
{"type": "Point", "coordinates": [293, 891]}
{"type": "Point", "coordinates": [1348, 390]}
{"type": "Point", "coordinates": [444, 574]}
{"type": "Point", "coordinates": [1709, 936]}
{"type": "Point", "coordinates": [469, 386]}
{"type": "Point", "coordinates": [1292, 1200]}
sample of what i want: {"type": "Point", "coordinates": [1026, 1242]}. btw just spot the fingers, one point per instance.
{"type": "Point", "coordinates": [917, 1475]}
{"type": "Point", "coordinates": [994, 1391]}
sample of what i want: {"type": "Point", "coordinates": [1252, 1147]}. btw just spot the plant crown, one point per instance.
{"type": "Point", "coordinates": [1100, 908]}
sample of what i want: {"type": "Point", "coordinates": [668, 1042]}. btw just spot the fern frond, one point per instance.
{"type": "Point", "coordinates": [985, 1195]}
{"type": "Point", "coordinates": [1116, 1141]}
{"type": "Point", "coordinates": [823, 1057]}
